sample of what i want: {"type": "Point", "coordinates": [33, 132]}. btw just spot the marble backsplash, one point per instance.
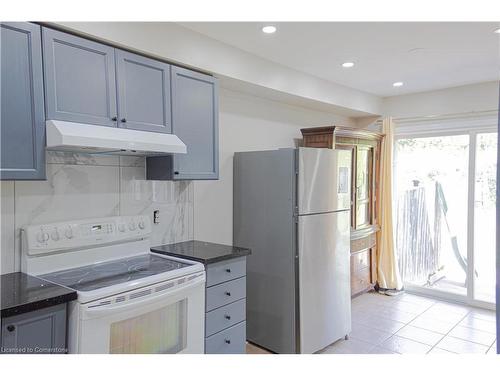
{"type": "Point", "coordinates": [81, 186]}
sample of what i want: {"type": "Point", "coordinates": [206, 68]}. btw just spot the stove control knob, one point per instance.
{"type": "Point", "coordinates": [142, 225]}
{"type": "Point", "coordinates": [55, 235]}
{"type": "Point", "coordinates": [131, 225]}
{"type": "Point", "coordinates": [42, 236]}
{"type": "Point", "coordinates": [68, 233]}
{"type": "Point", "coordinates": [121, 227]}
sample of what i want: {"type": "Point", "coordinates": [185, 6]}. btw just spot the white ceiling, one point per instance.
{"type": "Point", "coordinates": [425, 56]}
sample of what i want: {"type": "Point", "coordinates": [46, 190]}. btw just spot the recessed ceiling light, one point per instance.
{"type": "Point", "coordinates": [269, 29]}
{"type": "Point", "coordinates": [397, 84]}
{"type": "Point", "coordinates": [348, 64]}
{"type": "Point", "coordinates": [497, 31]}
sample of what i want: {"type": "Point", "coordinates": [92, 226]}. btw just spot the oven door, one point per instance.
{"type": "Point", "coordinates": [166, 317]}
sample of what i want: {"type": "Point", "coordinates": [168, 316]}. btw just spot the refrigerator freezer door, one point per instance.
{"type": "Point", "coordinates": [323, 183]}
{"type": "Point", "coordinates": [324, 279]}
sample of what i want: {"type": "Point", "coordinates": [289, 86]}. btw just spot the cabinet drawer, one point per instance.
{"type": "Point", "coordinates": [360, 280]}
{"type": "Point", "coordinates": [225, 317]}
{"type": "Point", "coordinates": [224, 271]}
{"type": "Point", "coordinates": [360, 260]}
{"type": "Point", "coordinates": [363, 243]}
{"type": "Point", "coordinates": [226, 293]}
{"type": "Point", "coordinates": [229, 341]}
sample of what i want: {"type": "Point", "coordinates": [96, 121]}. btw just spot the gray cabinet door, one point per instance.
{"type": "Point", "coordinates": [22, 108]}
{"type": "Point", "coordinates": [41, 331]}
{"type": "Point", "coordinates": [80, 82]}
{"type": "Point", "coordinates": [143, 93]}
{"type": "Point", "coordinates": [195, 115]}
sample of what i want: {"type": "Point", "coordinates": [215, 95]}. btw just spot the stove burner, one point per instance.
{"type": "Point", "coordinates": [109, 267]}
{"type": "Point", "coordinates": [106, 274]}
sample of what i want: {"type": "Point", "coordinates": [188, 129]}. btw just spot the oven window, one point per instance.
{"type": "Point", "coordinates": [160, 331]}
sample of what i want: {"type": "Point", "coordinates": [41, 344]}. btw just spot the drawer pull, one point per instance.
{"type": "Point", "coordinates": [227, 341]}
{"type": "Point", "coordinates": [228, 270]}
{"type": "Point", "coordinates": [228, 294]}
{"type": "Point", "coordinates": [228, 317]}
{"type": "Point", "coordinates": [11, 328]}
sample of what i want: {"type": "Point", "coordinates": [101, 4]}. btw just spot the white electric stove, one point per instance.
{"type": "Point", "coordinates": [129, 299]}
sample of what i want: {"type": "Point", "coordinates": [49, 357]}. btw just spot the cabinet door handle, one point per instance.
{"type": "Point", "coordinates": [114, 118]}
{"type": "Point", "coordinates": [123, 120]}
{"type": "Point", "coordinates": [228, 317]}
{"type": "Point", "coordinates": [176, 172]}
{"type": "Point", "coordinates": [11, 328]}
{"type": "Point", "coordinates": [228, 294]}
{"type": "Point", "coordinates": [227, 341]}
{"type": "Point", "coordinates": [228, 270]}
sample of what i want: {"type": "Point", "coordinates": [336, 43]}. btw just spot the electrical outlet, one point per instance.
{"type": "Point", "coordinates": [156, 216]}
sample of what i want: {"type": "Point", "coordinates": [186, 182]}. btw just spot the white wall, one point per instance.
{"type": "Point", "coordinates": [176, 43]}
{"type": "Point", "coordinates": [247, 123]}
{"type": "Point", "coordinates": [456, 100]}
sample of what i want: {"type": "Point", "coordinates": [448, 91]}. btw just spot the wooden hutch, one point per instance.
{"type": "Point", "coordinates": [365, 147]}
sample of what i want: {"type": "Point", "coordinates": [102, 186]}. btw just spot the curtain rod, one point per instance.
{"type": "Point", "coordinates": [449, 116]}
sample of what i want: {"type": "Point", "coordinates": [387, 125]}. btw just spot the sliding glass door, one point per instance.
{"type": "Point", "coordinates": [445, 214]}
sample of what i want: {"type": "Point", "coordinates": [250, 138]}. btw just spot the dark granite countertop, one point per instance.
{"type": "Point", "coordinates": [203, 252]}
{"type": "Point", "coordinates": [22, 293]}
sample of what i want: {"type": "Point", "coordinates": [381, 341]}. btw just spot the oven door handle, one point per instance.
{"type": "Point", "coordinates": [94, 312]}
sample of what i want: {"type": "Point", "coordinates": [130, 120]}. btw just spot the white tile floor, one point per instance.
{"type": "Point", "coordinates": [414, 324]}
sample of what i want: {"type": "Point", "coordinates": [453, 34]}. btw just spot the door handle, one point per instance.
{"type": "Point", "coordinates": [114, 118]}
{"type": "Point", "coordinates": [228, 294]}
{"type": "Point", "coordinates": [228, 317]}
{"type": "Point", "coordinates": [123, 120]}
{"type": "Point", "coordinates": [11, 328]}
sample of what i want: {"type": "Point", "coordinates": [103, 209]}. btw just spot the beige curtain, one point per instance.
{"type": "Point", "coordinates": [388, 270]}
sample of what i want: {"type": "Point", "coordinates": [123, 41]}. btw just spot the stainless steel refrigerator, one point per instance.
{"type": "Point", "coordinates": [292, 208]}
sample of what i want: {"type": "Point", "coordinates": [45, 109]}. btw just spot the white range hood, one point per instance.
{"type": "Point", "coordinates": [78, 137]}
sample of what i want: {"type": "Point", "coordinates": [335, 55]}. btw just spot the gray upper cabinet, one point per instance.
{"type": "Point", "coordinates": [22, 106]}
{"type": "Point", "coordinates": [143, 93]}
{"type": "Point", "coordinates": [80, 83]}
{"type": "Point", "coordinates": [195, 121]}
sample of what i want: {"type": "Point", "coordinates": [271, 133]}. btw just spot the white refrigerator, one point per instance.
{"type": "Point", "coordinates": [292, 209]}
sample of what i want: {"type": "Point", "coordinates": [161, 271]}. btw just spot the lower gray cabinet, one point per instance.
{"type": "Point", "coordinates": [22, 103]}
{"type": "Point", "coordinates": [195, 120]}
{"type": "Point", "coordinates": [229, 341]}
{"type": "Point", "coordinates": [37, 332]}
{"type": "Point", "coordinates": [225, 293]}
{"type": "Point", "coordinates": [225, 318]}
